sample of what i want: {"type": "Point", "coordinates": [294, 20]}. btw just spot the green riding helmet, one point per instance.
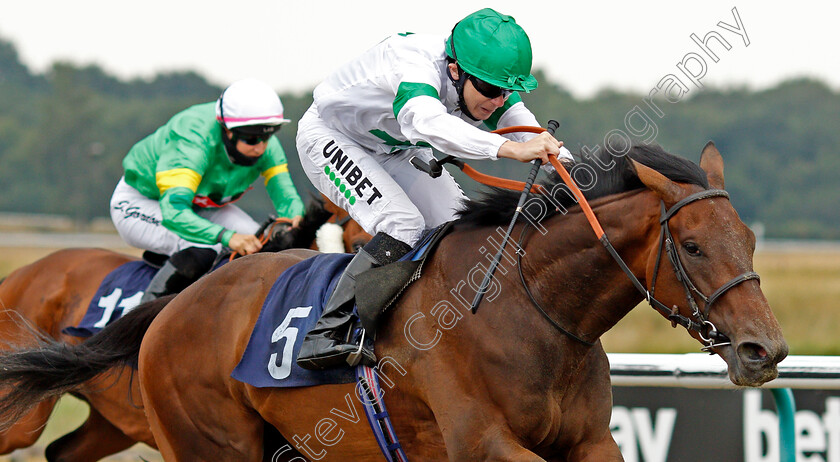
{"type": "Point", "coordinates": [493, 48]}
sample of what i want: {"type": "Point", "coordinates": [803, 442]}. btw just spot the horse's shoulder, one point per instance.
{"type": "Point", "coordinates": [86, 261]}
{"type": "Point", "coordinates": [88, 253]}
{"type": "Point", "coordinates": [265, 263]}
{"type": "Point", "coordinates": [298, 254]}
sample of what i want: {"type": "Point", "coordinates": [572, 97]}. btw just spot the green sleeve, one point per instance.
{"type": "Point", "coordinates": [179, 217]}
{"type": "Point", "coordinates": [408, 90]}
{"type": "Point", "coordinates": [279, 185]}
{"type": "Point", "coordinates": [284, 196]}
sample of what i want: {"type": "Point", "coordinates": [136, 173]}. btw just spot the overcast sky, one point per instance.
{"type": "Point", "coordinates": [584, 46]}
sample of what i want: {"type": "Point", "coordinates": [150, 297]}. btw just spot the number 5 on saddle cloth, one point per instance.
{"type": "Point", "coordinates": [294, 305]}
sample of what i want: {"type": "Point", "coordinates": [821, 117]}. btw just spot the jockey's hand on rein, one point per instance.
{"type": "Point", "coordinates": [538, 147]}
{"type": "Point", "coordinates": [244, 244]}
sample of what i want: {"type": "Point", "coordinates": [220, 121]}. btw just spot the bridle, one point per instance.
{"type": "Point", "coordinates": [703, 326]}
{"type": "Point", "coordinates": [711, 337]}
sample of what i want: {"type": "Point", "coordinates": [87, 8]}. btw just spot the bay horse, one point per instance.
{"type": "Point", "coordinates": [523, 378]}
{"type": "Point", "coordinates": [52, 293]}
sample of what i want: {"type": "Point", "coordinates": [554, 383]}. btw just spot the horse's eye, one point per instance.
{"type": "Point", "coordinates": [692, 249]}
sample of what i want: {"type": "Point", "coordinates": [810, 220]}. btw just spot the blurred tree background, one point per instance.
{"type": "Point", "coordinates": [63, 135]}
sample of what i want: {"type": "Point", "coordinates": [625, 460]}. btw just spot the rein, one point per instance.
{"type": "Point", "coordinates": [705, 329]}
{"type": "Point", "coordinates": [708, 333]}
{"type": "Point", "coordinates": [485, 284]}
{"type": "Point", "coordinates": [342, 221]}
{"type": "Point", "coordinates": [265, 232]}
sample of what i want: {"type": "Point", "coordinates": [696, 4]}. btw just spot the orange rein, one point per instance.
{"type": "Point", "coordinates": [505, 183]}
{"type": "Point", "coordinates": [264, 238]}
{"type": "Point", "coordinates": [584, 204]}
{"type": "Point", "coordinates": [520, 185]}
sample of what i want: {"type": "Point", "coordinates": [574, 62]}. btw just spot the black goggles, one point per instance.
{"type": "Point", "coordinates": [252, 139]}
{"type": "Point", "coordinates": [488, 90]}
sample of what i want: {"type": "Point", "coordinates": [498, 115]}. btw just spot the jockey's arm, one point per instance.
{"type": "Point", "coordinates": [179, 217]}
{"type": "Point", "coordinates": [425, 119]}
{"type": "Point", "coordinates": [518, 147]}
{"type": "Point", "coordinates": [281, 190]}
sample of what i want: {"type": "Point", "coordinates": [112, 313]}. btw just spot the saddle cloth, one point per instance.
{"type": "Point", "coordinates": [292, 307]}
{"type": "Point", "coordinates": [118, 294]}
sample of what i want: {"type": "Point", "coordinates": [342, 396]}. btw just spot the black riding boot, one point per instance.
{"type": "Point", "coordinates": [182, 269]}
{"type": "Point", "coordinates": [327, 345]}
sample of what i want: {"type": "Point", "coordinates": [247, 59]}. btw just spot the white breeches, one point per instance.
{"type": "Point", "coordinates": [382, 192]}
{"type": "Point", "coordinates": [139, 221]}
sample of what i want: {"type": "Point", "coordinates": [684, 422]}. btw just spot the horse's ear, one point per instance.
{"type": "Point", "coordinates": [712, 163]}
{"type": "Point", "coordinates": [667, 190]}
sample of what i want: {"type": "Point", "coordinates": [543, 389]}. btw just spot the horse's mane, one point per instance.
{"type": "Point", "coordinates": [496, 206]}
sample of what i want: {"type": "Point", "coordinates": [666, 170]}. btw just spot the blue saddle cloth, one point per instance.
{"type": "Point", "coordinates": [118, 294]}
{"type": "Point", "coordinates": [292, 307]}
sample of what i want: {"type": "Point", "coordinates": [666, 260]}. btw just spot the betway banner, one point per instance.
{"type": "Point", "coordinates": [658, 424]}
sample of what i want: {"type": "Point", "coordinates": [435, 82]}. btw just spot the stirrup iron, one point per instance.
{"type": "Point", "coordinates": [353, 359]}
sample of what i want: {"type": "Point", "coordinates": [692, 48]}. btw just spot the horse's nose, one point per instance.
{"type": "Point", "coordinates": [767, 354]}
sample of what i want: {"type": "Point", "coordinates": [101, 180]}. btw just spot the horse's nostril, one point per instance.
{"type": "Point", "coordinates": [753, 352]}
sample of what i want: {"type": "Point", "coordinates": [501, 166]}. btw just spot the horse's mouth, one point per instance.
{"type": "Point", "coordinates": [752, 364]}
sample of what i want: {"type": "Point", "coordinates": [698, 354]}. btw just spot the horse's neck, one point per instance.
{"type": "Point", "coordinates": [583, 286]}
{"type": "Point", "coordinates": [568, 272]}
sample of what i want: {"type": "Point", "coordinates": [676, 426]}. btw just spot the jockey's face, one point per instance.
{"type": "Point", "coordinates": [248, 150]}
{"type": "Point", "coordinates": [480, 106]}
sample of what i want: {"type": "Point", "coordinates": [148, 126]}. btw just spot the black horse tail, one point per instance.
{"type": "Point", "coordinates": [33, 374]}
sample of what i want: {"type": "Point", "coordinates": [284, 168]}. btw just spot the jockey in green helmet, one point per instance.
{"type": "Point", "coordinates": [399, 100]}
{"type": "Point", "coordinates": [493, 52]}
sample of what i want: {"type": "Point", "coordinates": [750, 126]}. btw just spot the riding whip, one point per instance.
{"type": "Point", "coordinates": [485, 284]}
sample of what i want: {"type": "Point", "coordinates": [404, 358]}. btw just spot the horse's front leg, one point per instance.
{"type": "Point", "coordinates": [510, 451]}
{"type": "Point", "coordinates": [605, 450]}
{"type": "Point", "coordinates": [488, 443]}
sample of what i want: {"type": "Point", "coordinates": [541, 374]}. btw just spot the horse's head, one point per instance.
{"type": "Point", "coordinates": [703, 265]}
{"type": "Point", "coordinates": [325, 227]}
{"type": "Point", "coordinates": [355, 237]}
{"type": "Point", "coordinates": [279, 235]}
